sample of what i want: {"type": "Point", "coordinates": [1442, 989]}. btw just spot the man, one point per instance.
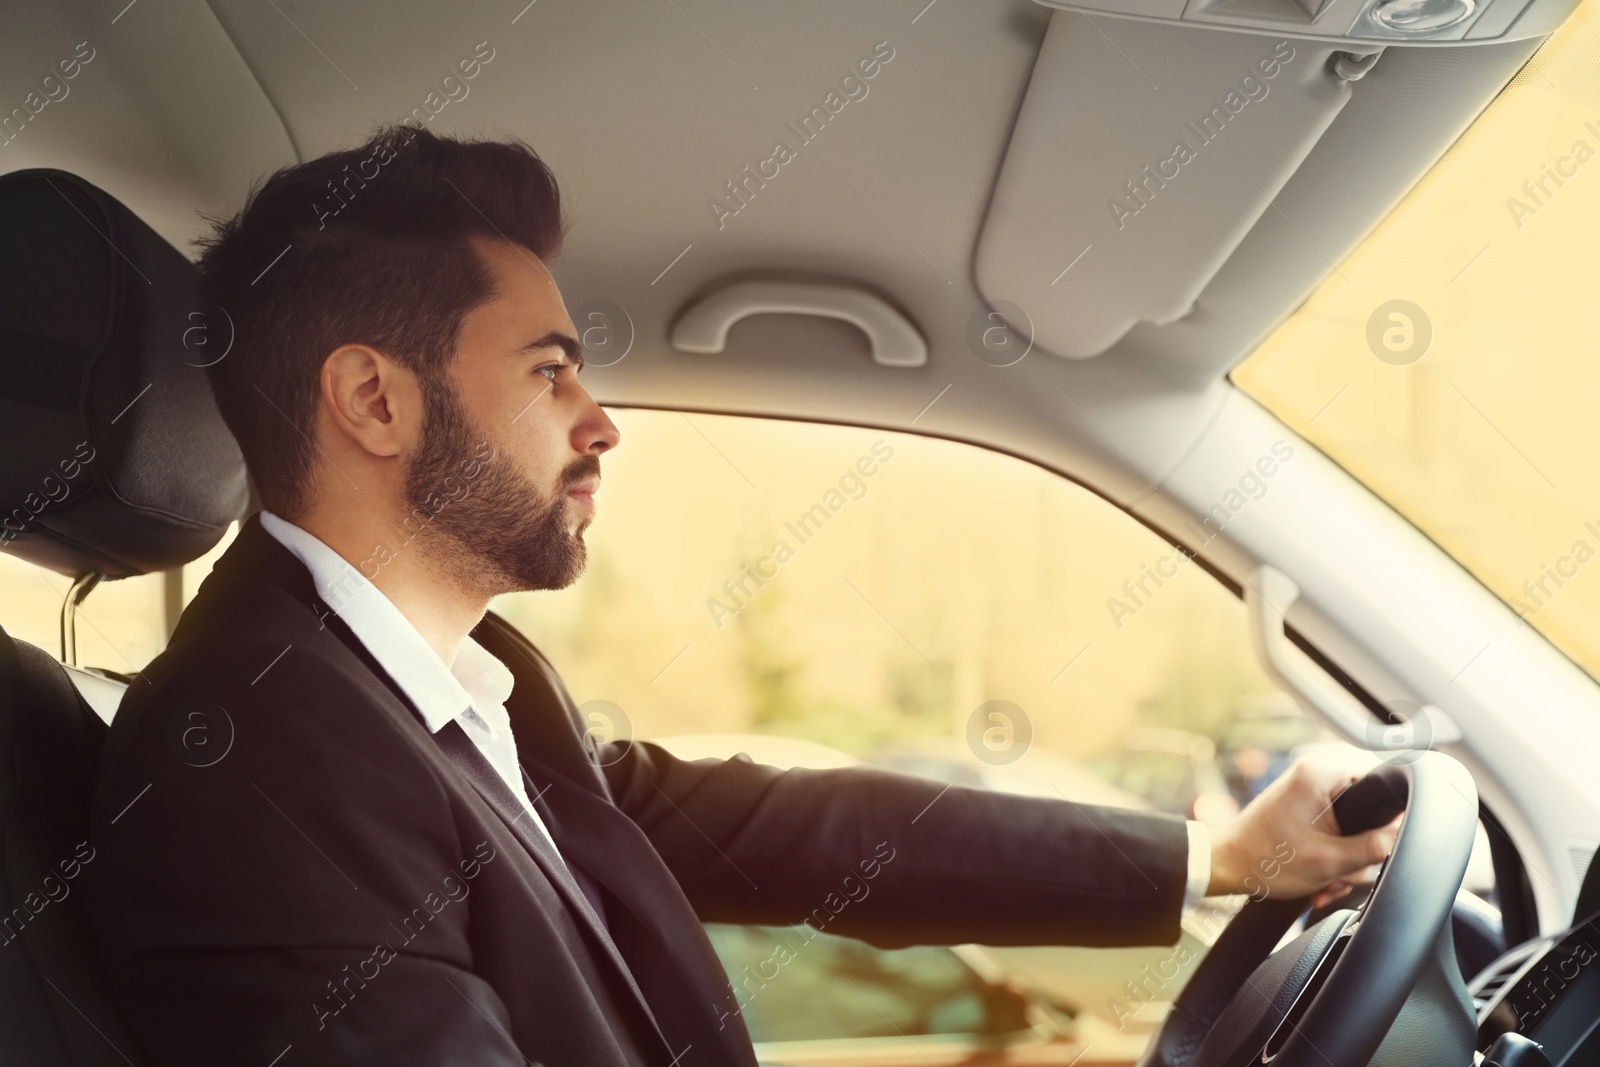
{"type": "Point", "coordinates": [346, 818]}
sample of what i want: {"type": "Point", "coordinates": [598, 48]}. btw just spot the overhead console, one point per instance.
{"type": "Point", "coordinates": [1150, 143]}
{"type": "Point", "coordinates": [1370, 21]}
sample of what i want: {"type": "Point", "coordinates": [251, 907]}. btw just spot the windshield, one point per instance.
{"type": "Point", "coordinates": [1452, 363]}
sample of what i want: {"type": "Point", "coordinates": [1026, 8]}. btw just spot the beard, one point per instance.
{"type": "Point", "coordinates": [504, 535]}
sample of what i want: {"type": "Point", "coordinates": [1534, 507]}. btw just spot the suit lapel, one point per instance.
{"type": "Point", "coordinates": [685, 979]}
{"type": "Point", "coordinates": [476, 769]}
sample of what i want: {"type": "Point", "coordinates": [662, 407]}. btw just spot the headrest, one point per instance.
{"type": "Point", "coordinates": [113, 457]}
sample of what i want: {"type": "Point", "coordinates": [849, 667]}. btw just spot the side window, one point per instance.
{"type": "Point", "coordinates": [926, 606]}
{"type": "Point", "coordinates": [897, 597]}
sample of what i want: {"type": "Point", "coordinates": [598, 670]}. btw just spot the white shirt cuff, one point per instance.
{"type": "Point", "coordinates": [1199, 864]}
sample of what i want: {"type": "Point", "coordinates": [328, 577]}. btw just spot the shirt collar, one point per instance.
{"type": "Point", "coordinates": [440, 693]}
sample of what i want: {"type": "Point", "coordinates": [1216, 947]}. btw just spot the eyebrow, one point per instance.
{"type": "Point", "coordinates": [557, 339]}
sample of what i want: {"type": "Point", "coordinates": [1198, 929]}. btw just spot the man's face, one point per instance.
{"type": "Point", "coordinates": [513, 389]}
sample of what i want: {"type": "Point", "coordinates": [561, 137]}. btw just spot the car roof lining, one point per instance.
{"type": "Point", "coordinates": [896, 197]}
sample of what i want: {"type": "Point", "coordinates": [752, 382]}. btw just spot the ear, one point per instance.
{"type": "Point", "coordinates": [371, 400]}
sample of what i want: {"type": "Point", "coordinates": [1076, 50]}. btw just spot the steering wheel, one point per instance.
{"type": "Point", "coordinates": [1331, 995]}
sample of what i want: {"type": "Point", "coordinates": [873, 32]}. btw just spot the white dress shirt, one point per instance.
{"type": "Point", "coordinates": [471, 691]}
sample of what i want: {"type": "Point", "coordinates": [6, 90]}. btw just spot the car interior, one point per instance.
{"type": "Point", "coordinates": [1299, 292]}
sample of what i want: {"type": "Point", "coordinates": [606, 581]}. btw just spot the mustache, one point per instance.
{"type": "Point", "coordinates": [580, 469]}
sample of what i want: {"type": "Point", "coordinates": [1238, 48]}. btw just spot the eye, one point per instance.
{"type": "Point", "coordinates": [549, 370]}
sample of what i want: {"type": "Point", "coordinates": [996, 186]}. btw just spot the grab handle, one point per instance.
{"type": "Point", "coordinates": [704, 326]}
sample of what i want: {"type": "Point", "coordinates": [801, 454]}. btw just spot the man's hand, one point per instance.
{"type": "Point", "coordinates": [1286, 842]}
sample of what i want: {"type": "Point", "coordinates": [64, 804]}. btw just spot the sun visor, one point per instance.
{"type": "Point", "coordinates": [1142, 156]}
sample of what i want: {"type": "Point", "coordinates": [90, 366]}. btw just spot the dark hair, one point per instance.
{"type": "Point", "coordinates": [368, 246]}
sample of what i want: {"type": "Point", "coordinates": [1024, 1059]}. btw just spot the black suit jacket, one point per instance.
{"type": "Point", "coordinates": [289, 864]}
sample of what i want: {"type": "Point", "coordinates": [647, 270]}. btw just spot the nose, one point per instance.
{"type": "Point", "coordinates": [594, 432]}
